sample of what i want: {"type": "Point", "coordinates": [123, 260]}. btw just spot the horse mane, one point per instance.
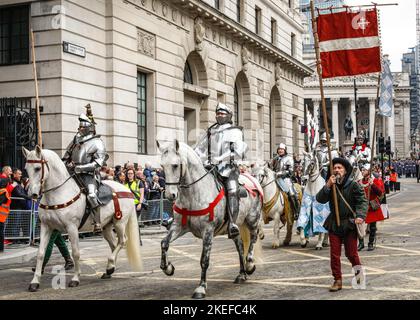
{"type": "Point", "coordinates": [54, 161]}
{"type": "Point", "coordinates": [192, 157]}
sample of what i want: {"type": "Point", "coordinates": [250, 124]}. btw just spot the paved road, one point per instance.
{"type": "Point", "coordinates": [286, 273]}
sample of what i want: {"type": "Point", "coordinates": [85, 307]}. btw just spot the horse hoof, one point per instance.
{"type": "Point", "coordinates": [305, 244]}
{"type": "Point", "coordinates": [106, 276]}
{"type": "Point", "coordinates": [73, 284]}
{"type": "Point", "coordinates": [33, 287]}
{"type": "Point", "coordinates": [240, 279]}
{"type": "Point", "coordinates": [169, 270]}
{"type": "Point", "coordinates": [198, 295]}
{"type": "Point", "coordinates": [110, 271]}
{"type": "Point", "coordinates": [249, 272]}
{"type": "Point", "coordinates": [318, 248]}
{"type": "Point", "coordinates": [286, 243]}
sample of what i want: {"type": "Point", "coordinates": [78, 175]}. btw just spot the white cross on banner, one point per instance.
{"type": "Point", "coordinates": [386, 101]}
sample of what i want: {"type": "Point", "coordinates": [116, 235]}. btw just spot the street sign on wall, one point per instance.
{"type": "Point", "coordinates": [74, 49]}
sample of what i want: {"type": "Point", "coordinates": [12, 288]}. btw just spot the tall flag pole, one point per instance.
{"type": "Point", "coordinates": [324, 108]}
{"type": "Point", "coordinates": [38, 115]}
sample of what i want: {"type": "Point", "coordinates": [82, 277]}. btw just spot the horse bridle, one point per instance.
{"type": "Point", "coordinates": [43, 162]}
{"type": "Point", "coordinates": [181, 178]}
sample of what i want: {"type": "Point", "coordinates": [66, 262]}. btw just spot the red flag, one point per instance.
{"type": "Point", "coordinates": [349, 43]}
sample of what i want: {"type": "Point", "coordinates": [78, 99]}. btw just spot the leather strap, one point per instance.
{"type": "Point", "coordinates": [115, 197]}
{"type": "Point", "coordinates": [209, 210]}
{"type": "Point", "coordinates": [61, 206]}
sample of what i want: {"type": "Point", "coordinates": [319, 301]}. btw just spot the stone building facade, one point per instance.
{"type": "Point", "coordinates": [340, 102]}
{"type": "Point", "coordinates": [155, 69]}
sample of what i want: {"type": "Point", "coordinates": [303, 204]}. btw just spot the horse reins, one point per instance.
{"type": "Point", "coordinates": [43, 161]}
{"type": "Point", "coordinates": [179, 183]}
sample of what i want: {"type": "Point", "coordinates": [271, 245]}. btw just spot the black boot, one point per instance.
{"type": "Point", "coordinates": [69, 263]}
{"type": "Point", "coordinates": [294, 205]}
{"type": "Point", "coordinates": [233, 210]}
{"type": "Point", "coordinates": [372, 236]}
{"type": "Point", "coordinates": [361, 245]}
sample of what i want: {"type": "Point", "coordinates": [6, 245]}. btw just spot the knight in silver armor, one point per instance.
{"type": "Point", "coordinates": [322, 154]}
{"type": "Point", "coordinates": [361, 154]}
{"type": "Point", "coordinates": [85, 155]}
{"type": "Point", "coordinates": [223, 147]}
{"type": "Point", "coordinates": [283, 165]}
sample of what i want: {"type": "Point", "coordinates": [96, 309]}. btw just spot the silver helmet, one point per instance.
{"type": "Point", "coordinates": [86, 125]}
{"type": "Point", "coordinates": [225, 114]}
{"type": "Point", "coordinates": [323, 137]}
{"type": "Point", "coordinates": [282, 146]}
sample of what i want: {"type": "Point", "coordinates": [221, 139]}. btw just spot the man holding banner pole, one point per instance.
{"type": "Point", "coordinates": [347, 44]}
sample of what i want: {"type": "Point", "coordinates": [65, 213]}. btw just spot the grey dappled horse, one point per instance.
{"type": "Point", "coordinates": [193, 188]}
{"type": "Point", "coordinates": [314, 183]}
{"type": "Point", "coordinates": [63, 206]}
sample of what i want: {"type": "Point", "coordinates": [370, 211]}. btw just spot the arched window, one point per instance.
{"type": "Point", "coordinates": [188, 78]}
{"type": "Point", "coordinates": [236, 105]}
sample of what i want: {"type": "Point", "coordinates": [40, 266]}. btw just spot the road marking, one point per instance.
{"type": "Point", "coordinates": [186, 254]}
{"type": "Point", "coordinates": [399, 249]}
{"type": "Point", "coordinates": [267, 263]}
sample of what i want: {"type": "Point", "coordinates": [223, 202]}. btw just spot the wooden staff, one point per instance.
{"type": "Point", "coordinates": [374, 133]}
{"type": "Point", "coordinates": [38, 115]}
{"type": "Point", "coordinates": [324, 108]}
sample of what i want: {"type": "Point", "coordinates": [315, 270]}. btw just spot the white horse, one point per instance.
{"type": "Point", "coordinates": [354, 161]}
{"type": "Point", "coordinates": [273, 203]}
{"type": "Point", "coordinates": [200, 208]}
{"type": "Point", "coordinates": [312, 213]}
{"type": "Point", "coordinates": [62, 208]}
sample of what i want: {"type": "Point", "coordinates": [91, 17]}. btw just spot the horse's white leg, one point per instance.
{"type": "Point", "coordinates": [44, 239]}
{"type": "Point", "coordinates": [112, 259]}
{"type": "Point", "coordinates": [200, 291]}
{"type": "Point", "coordinates": [261, 230]}
{"type": "Point", "coordinates": [276, 231]}
{"type": "Point", "coordinates": [303, 240]}
{"type": "Point", "coordinates": [174, 232]}
{"type": "Point", "coordinates": [109, 236]}
{"type": "Point", "coordinates": [320, 240]}
{"type": "Point", "coordinates": [74, 240]}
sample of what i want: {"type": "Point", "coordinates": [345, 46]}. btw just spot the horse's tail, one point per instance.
{"type": "Point", "coordinates": [246, 240]}
{"type": "Point", "coordinates": [133, 242]}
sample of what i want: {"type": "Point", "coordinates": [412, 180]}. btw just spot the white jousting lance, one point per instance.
{"type": "Point", "coordinates": [38, 115]}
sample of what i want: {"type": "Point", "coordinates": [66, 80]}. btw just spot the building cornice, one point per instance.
{"type": "Point", "coordinates": [243, 35]}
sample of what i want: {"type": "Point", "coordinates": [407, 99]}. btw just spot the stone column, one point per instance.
{"type": "Point", "coordinates": [334, 116]}
{"type": "Point", "coordinates": [372, 112]}
{"type": "Point", "coordinates": [353, 118]}
{"type": "Point", "coordinates": [391, 129]}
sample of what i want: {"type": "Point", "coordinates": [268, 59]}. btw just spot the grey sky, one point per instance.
{"type": "Point", "coordinates": [398, 28]}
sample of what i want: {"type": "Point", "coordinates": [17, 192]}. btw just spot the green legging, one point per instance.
{"type": "Point", "coordinates": [58, 239]}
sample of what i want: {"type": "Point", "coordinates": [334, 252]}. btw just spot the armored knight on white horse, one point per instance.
{"type": "Point", "coordinates": [63, 203]}
{"type": "Point", "coordinates": [201, 201]}
{"type": "Point", "coordinates": [85, 155]}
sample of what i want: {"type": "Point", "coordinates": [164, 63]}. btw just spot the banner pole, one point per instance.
{"type": "Point", "coordinates": [38, 116]}
{"type": "Point", "coordinates": [324, 108]}
{"type": "Point", "coordinates": [372, 147]}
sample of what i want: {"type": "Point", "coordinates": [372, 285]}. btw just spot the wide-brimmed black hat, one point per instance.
{"type": "Point", "coordinates": [344, 162]}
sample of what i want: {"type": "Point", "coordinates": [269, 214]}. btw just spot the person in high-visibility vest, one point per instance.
{"type": "Point", "coordinates": [393, 179]}
{"type": "Point", "coordinates": [5, 201]}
